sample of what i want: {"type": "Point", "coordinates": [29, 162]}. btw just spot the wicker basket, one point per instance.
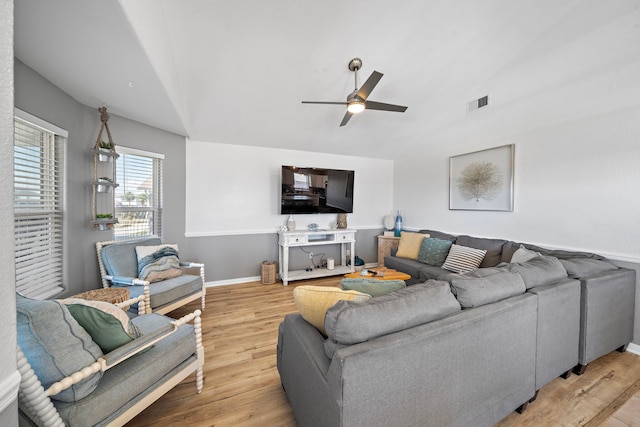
{"type": "Point", "coordinates": [268, 272]}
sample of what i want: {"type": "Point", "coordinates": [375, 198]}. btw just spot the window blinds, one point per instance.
{"type": "Point", "coordinates": [38, 209]}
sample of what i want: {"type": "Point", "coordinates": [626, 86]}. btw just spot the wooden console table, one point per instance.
{"type": "Point", "coordinates": [288, 239]}
{"type": "Point", "coordinates": [385, 244]}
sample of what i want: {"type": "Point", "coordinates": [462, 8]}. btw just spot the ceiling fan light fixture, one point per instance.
{"type": "Point", "coordinates": [355, 106]}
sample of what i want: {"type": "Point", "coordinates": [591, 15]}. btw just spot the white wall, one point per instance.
{"type": "Point", "coordinates": [233, 189]}
{"type": "Point", "coordinates": [571, 105]}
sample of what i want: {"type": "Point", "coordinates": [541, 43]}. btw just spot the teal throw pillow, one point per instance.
{"type": "Point", "coordinates": [373, 287]}
{"type": "Point", "coordinates": [107, 324]}
{"type": "Point", "coordinates": [434, 251]}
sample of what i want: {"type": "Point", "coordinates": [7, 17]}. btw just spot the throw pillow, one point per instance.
{"type": "Point", "coordinates": [462, 259]}
{"type": "Point", "coordinates": [409, 245]}
{"type": "Point", "coordinates": [107, 324]}
{"type": "Point", "coordinates": [56, 346]}
{"type": "Point", "coordinates": [373, 287]}
{"type": "Point", "coordinates": [434, 251]}
{"type": "Point", "coordinates": [156, 263]}
{"type": "Point", "coordinates": [313, 301]}
{"type": "Point", "coordinates": [523, 254]}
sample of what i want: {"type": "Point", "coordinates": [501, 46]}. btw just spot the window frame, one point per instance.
{"type": "Point", "coordinates": [157, 194]}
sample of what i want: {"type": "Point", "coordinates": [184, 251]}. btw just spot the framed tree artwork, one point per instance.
{"type": "Point", "coordinates": [482, 180]}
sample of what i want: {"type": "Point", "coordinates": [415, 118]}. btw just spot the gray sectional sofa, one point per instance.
{"type": "Point", "coordinates": [456, 349]}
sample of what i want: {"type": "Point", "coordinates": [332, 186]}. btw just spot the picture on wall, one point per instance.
{"type": "Point", "coordinates": [482, 180]}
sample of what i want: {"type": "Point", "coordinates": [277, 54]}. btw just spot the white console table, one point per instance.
{"type": "Point", "coordinates": [289, 239]}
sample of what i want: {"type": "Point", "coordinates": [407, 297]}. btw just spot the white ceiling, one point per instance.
{"type": "Point", "coordinates": [236, 71]}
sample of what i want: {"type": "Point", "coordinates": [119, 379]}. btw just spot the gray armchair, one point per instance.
{"type": "Point", "coordinates": [118, 264]}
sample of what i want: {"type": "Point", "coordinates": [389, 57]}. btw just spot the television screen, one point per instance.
{"type": "Point", "coordinates": [316, 190]}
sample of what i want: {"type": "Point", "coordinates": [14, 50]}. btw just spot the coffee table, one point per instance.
{"type": "Point", "coordinates": [389, 274]}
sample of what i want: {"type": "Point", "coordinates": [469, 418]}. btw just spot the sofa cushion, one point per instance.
{"type": "Point", "coordinates": [584, 267]}
{"type": "Point", "coordinates": [462, 259]}
{"type": "Point", "coordinates": [120, 258]}
{"type": "Point", "coordinates": [431, 272]}
{"type": "Point", "coordinates": [168, 291]}
{"type": "Point", "coordinates": [523, 254]}
{"type": "Point", "coordinates": [348, 322]}
{"type": "Point", "coordinates": [313, 301]}
{"type": "Point", "coordinates": [107, 324]}
{"type": "Point", "coordinates": [156, 263]}
{"type": "Point", "coordinates": [409, 245]}
{"type": "Point", "coordinates": [409, 266]}
{"type": "Point", "coordinates": [539, 271]}
{"type": "Point", "coordinates": [493, 248]}
{"type": "Point", "coordinates": [373, 287]}
{"type": "Point", "coordinates": [434, 251]}
{"type": "Point", "coordinates": [56, 346]}
{"type": "Point", "coordinates": [474, 291]}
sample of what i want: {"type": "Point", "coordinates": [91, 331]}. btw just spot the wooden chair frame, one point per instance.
{"type": "Point", "coordinates": [35, 401]}
{"type": "Point", "coordinates": [106, 282]}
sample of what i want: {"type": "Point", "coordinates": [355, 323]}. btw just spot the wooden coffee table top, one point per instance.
{"type": "Point", "coordinates": [389, 274]}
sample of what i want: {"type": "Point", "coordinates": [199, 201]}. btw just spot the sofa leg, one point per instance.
{"type": "Point", "coordinates": [535, 396]}
{"type": "Point", "coordinates": [566, 374]}
{"type": "Point", "coordinates": [622, 348]}
{"type": "Point", "coordinates": [579, 369]}
{"type": "Point", "coordinates": [520, 409]}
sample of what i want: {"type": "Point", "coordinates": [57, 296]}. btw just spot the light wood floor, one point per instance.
{"type": "Point", "coordinates": [242, 386]}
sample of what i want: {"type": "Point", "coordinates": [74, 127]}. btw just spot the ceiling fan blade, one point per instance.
{"type": "Point", "coordinates": [372, 105]}
{"type": "Point", "coordinates": [324, 102]}
{"type": "Point", "coordinates": [346, 118]}
{"type": "Point", "coordinates": [368, 86]}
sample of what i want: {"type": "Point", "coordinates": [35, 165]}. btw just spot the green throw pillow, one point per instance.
{"type": "Point", "coordinates": [434, 251]}
{"type": "Point", "coordinates": [372, 287]}
{"type": "Point", "coordinates": [107, 324]}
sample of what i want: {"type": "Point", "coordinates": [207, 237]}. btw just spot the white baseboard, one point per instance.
{"type": "Point", "coordinates": [634, 348]}
{"type": "Point", "coordinates": [232, 281]}
{"type": "Point", "coordinates": [9, 390]}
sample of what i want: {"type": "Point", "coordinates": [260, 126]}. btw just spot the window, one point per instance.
{"type": "Point", "coordinates": [139, 193]}
{"type": "Point", "coordinates": [38, 182]}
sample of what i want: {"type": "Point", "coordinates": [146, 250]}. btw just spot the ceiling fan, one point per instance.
{"type": "Point", "coordinates": [357, 100]}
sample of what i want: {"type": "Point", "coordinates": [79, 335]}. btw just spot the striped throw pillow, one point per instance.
{"type": "Point", "coordinates": [462, 259]}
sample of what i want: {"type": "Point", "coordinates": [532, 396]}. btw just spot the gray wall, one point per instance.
{"type": "Point", "coordinates": [9, 376]}
{"type": "Point", "coordinates": [39, 97]}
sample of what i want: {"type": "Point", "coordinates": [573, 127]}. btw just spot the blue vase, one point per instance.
{"type": "Point", "coordinates": [398, 225]}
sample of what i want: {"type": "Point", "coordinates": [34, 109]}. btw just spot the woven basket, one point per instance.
{"type": "Point", "coordinates": [268, 272]}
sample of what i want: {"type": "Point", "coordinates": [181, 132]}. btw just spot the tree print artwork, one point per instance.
{"type": "Point", "coordinates": [480, 180]}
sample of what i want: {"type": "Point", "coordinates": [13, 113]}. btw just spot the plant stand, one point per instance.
{"type": "Point", "coordinates": [104, 177]}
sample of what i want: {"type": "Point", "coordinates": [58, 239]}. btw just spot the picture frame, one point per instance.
{"type": "Point", "coordinates": [482, 180]}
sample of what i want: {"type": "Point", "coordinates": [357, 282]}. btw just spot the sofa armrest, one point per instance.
{"type": "Point", "coordinates": [132, 281]}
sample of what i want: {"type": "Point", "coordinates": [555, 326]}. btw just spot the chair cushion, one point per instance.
{"type": "Point", "coordinates": [56, 346]}
{"type": "Point", "coordinates": [462, 259]}
{"type": "Point", "coordinates": [159, 262]}
{"type": "Point", "coordinates": [120, 258]}
{"type": "Point", "coordinates": [168, 291]}
{"type": "Point", "coordinates": [129, 382]}
{"type": "Point", "coordinates": [108, 325]}
{"type": "Point", "coordinates": [373, 287]}
{"type": "Point", "coordinates": [313, 301]}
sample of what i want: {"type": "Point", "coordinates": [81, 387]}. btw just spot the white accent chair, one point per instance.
{"type": "Point", "coordinates": [67, 380]}
{"type": "Point", "coordinates": [119, 267]}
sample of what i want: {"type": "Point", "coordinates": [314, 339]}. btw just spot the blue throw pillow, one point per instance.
{"type": "Point", "coordinates": [434, 251]}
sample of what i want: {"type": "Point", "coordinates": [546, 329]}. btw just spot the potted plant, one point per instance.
{"type": "Point", "coordinates": [103, 184]}
{"type": "Point", "coordinates": [103, 224]}
{"type": "Point", "coordinates": [105, 151]}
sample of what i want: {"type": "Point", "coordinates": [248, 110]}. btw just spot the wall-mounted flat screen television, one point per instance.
{"type": "Point", "coordinates": [316, 190]}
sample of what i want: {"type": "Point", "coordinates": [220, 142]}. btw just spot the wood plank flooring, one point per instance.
{"type": "Point", "coordinates": [242, 386]}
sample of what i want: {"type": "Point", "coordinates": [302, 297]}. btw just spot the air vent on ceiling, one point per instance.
{"type": "Point", "coordinates": [478, 103]}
